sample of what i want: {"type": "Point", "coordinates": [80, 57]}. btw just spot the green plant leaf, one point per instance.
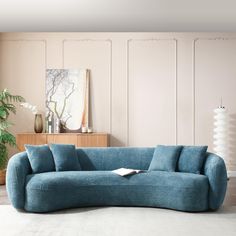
{"type": "Point", "coordinates": [3, 113]}
{"type": "Point", "coordinates": [10, 107]}
{"type": "Point", "coordinates": [6, 96]}
{"type": "Point", "coordinates": [7, 138]}
{"type": "Point", "coordinates": [3, 156]}
{"type": "Point", "coordinates": [5, 125]}
{"type": "Point", "coordinates": [7, 106]}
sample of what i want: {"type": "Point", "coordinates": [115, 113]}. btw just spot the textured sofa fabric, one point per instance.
{"type": "Point", "coordinates": [165, 158]}
{"type": "Point", "coordinates": [96, 185]}
{"type": "Point", "coordinates": [40, 158]}
{"type": "Point", "coordinates": [191, 159]}
{"type": "Point", "coordinates": [114, 158]}
{"type": "Point", "coordinates": [216, 172]}
{"type": "Point", "coordinates": [65, 157]}
{"type": "Point", "coordinates": [187, 192]}
{"type": "Point", "coordinates": [17, 170]}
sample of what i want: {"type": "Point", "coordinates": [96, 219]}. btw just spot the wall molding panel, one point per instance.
{"type": "Point", "coordinates": [22, 67]}
{"type": "Point", "coordinates": [27, 41]}
{"type": "Point", "coordinates": [156, 40]}
{"type": "Point", "coordinates": [195, 41]}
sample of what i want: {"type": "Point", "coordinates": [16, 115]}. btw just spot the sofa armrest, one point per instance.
{"type": "Point", "coordinates": [17, 169]}
{"type": "Point", "coordinates": [215, 170]}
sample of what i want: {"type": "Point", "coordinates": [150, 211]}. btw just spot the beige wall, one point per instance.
{"type": "Point", "coordinates": [146, 88]}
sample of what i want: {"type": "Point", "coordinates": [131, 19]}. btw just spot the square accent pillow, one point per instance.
{"type": "Point", "coordinates": [191, 159]}
{"type": "Point", "coordinates": [40, 158]}
{"type": "Point", "coordinates": [65, 157]}
{"type": "Point", "coordinates": [165, 158]}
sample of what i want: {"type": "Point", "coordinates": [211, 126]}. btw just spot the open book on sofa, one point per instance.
{"type": "Point", "coordinates": [125, 171]}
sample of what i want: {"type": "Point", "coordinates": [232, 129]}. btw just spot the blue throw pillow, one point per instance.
{"type": "Point", "coordinates": [192, 158]}
{"type": "Point", "coordinates": [65, 157]}
{"type": "Point", "coordinates": [40, 158]}
{"type": "Point", "coordinates": [165, 158]}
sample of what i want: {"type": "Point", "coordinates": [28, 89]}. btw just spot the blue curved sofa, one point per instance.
{"type": "Point", "coordinates": [96, 185]}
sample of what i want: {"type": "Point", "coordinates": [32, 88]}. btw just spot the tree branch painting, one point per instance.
{"type": "Point", "coordinates": [67, 97]}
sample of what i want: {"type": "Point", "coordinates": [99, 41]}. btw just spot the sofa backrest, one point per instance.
{"type": "Point", "coordinates": [115, 157]}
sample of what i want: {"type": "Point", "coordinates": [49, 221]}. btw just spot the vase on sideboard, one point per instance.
{"type": "Point", "coordinates": [38, 123]}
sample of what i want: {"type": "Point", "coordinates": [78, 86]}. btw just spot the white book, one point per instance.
{"type": "Point", "coordinates": [125, 171]}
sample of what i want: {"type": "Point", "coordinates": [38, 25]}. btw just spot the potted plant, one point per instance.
{"type": "Point", "coordinates": [7, 139]}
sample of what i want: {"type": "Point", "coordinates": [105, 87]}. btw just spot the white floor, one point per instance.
{"type": "Point", "coordinates": [112, 221]}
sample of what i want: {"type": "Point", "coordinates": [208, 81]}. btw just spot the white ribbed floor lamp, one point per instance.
{"type": "Point", "coordinates": [220, 132]}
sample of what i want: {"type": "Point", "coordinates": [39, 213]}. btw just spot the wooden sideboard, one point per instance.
{"type": "Point", "coordinates": [78, 139]}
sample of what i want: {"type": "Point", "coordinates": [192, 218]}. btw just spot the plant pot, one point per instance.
{"type": "Point", "coordinates": [2, 177]}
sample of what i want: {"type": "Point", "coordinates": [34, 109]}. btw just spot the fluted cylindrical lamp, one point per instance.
{"type": "Point", "coordinates": [220, 132]}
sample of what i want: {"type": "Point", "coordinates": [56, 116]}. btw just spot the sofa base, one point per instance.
{"type": "Point", "coordinates": [104, 188]}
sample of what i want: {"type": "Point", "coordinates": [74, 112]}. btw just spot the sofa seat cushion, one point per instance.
{"type": "Point", "coordinates": [59, 190]}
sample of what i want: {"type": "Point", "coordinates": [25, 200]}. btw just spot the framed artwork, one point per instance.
{"type": "Point", "coordinates": [67, 98]}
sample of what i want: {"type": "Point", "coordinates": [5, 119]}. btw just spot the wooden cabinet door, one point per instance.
{"type": "Point", "coordinates": [62, 139]}
{"type": "Point", "coordinates": [92, 140]}
{"type": "Point", "coordinates": [103, 140]}
{"type": "Point", "coordinates": [34, 139]}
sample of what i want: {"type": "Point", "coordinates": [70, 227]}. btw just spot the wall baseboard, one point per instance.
{"type": "Point", "coordinates": [231, 173]}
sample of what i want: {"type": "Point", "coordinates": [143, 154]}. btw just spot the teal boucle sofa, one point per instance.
{"type": "Point", "coordinates": [96, 185]}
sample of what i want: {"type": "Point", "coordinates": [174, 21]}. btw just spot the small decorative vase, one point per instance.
{"type": "Point", "coordinates": [38, 123]}
{"type": "Point", "coordinates": [57, 124]}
